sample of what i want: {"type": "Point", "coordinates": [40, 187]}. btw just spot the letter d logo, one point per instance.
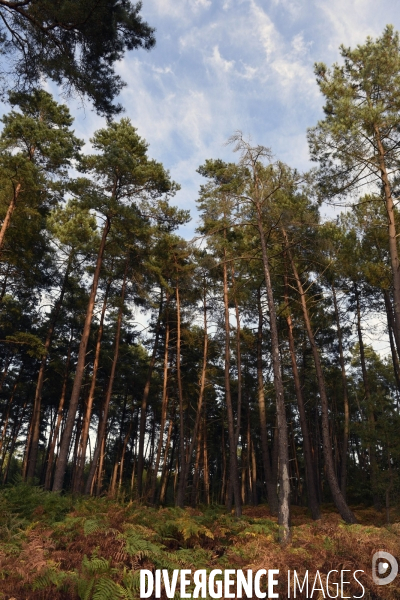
{"type": "Point", "coordinates": [381, 561]}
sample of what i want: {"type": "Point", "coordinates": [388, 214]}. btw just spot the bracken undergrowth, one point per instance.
{"type": "Point", "coordinates": [56, 547]}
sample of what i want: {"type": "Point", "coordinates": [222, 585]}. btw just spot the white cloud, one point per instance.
{"type": "Point", "coordinates": [299, 46]}
{"type": "Point", "coordinates": [265, 28]}
{"type": "Point", "coordinates": [162, 70]}
{"type": "Point", "coordinates": [292, 8]}
{"type": "Point", "coordinates": [220, 63]}
{"type": "Point", "coordinates": [248, 72]}
{"type": "Point", "coordinates": [351, 21]}
{"type": "Point", "coordinates": [201, 3]}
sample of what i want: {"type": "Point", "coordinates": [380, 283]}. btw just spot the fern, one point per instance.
{"type": "Point", "coordinates": [138, 547]}
{"type": "Point", "coordinates": [106, 589]}
{"type": "Point", "coordinates": [85, 587]}
{"type": "Point", "coordinates": [51, 577]}
{"type": "Point", "coordinates": [92, 525]}
{"type": "Point", "coordinates": [96, 565]}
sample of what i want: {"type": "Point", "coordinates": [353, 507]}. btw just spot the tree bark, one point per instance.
{"type": "Point", "coordinates": [180, 498]}
{"type": "Point", "coordinates": [310, 477]}
{"type": "Point", "coordinates": [143, 409]}
{"type": "Point", "coordinates": [164, 477]}
{"type": "Point", "coordinates": [103, 419]}
{"type": "Point", "coordinates": [184, 474]}
{"type": "Point", "coordinates": [80, 368]}
{"type": "Point", "coordinates": [337, 495]}
{"type": "Point", "coordinates": [7, 219]}
{"type": "Point", "coordinates": [164, 407]}
{"type": "Point", "coordinates": [272, 492]}
{"type": "Point", "coordinates": [393, 249]}
{"type": "Point", "coordinates": [233, 462]}
{"type": "Point", "coordinates": [368, 400]}
{"type": "Point", "coordinates": [81, 457]}
{"type": "Point", "coordinates": [284, 481]}
{"type": "Point", "coordinates": [346, 424]}
{"type": "Point", "coordinates": [33, 443]}
{"type": "Point", "coordinates": [54, 434]}
{"type": "Point", "coordinates": [392, 331]}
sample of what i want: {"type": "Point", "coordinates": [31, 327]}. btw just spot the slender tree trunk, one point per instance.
{"type": "Point", "coordinates": [310, 477]}
{"type": "Point", "coordinates": [238, 358]}
{"type": "Point", "coordinates": [196, 473]}
{"type": "Point", "coordinates": [143, 415]}
{"type": "Point", "coordinates": [233, 462]}
{"type": "Point", "coordinates": [33, 443]}
{"type": "Point", "coordinates": [346, 424]}
{"type": "Point", "coordinates": [224, 466]}
{"type": "Point", "coordinates": [80, 368]}
{"type": "Point", "coordinates": [164, 477]}
{"type": "Point", "coordinates": [284, 481]}
{"type": "Point", "coordinates": [123, 454]}
{"type": "Point", "coordinates": [253, 474]}
{"type": "Point", "coordinates": [7, 364]}
{"type": "Point", "coordinates": [337, 495]}
{"type": "Point", "coordinates": [103, 419]}
{"type": "Point", "coordinates": [368, 401]}
{"type": "Point", "coordinates": [9, 213]}
{"type": "Point", "coordinates": [206, 471]}
{"type": "Point", "coordinates": [99, 480]}
{"type": "Point", "coordinates": [392, 332]}
{"type": "Point", "coordinates": [81, 458]}
{"type": "Point", "coordinates": [184, 474]}
{"type": "Point", "coordinates": [271, 485]}
{"type": "Point", "coordinates": [164, 407]}
{"type": "Point", "coordinates": [180, 498]}
{"type": "Point", "coordinates": [4, 284]}
{"type": "Point", "coordinates": [393, 248]}
{"type": "Point", "coordinates": [54, 434]}
{"type": "Point", "coordinates": [15, 434]}
{"type": "Point", "coordinates": [5, 423]}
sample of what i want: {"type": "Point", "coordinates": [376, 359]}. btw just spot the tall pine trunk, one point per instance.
{"type": "Point", "coordinates": [284, 481]}
{"type": "Point", "coordinates": [337, 495]}
{"type": "Point", "coordinates": [164, 407]}
{"type": "Point", "coordinates": [271, 485]}
{"type": "Point", "coordinates": [81, 457]}
{"type": "Point", "coordinates": [7, 219]}
{"type": "Point", "coordinates": [233, 462]}
{"type": "Point", "coordinates": [313, 503]}
{"type": "Point", "coordinates": [143, 409]}
{"type": "Point", "coordinates": [103, 418]}
{"type": "Point", "coordinates": [33, 442]}
{"type": "Point", "coordinates": [80, 369]}
{"type": "Point", "coordinates": [180, 497]}
{"type": "Point", "coordinates": [346, 424]}
{"type": "Point", "coordinates": [368, 400]}
{"type": "Point", "coordinates": [185, 473]}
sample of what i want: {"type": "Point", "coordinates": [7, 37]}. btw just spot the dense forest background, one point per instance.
{"type": "Point", "coordinates": [231, 369]}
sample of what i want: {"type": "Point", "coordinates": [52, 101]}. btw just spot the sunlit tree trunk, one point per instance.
{"type": "Point", "coordinates": [80, 368]}
{"type": "Point", "coordinates": [103, 418]}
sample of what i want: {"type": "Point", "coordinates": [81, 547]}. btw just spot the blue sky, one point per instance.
{"type": "Point", "coordinates": [220, 66]}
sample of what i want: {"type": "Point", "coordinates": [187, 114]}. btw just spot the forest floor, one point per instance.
{"type": "Point", "coordinates": [60, 548]}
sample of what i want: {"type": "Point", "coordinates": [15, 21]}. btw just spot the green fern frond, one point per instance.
{"type": "Point", "coordinates": [138, 547]}
{"type": "Point", "coordinates": [96, 565]}
{"type": "Point", "coordinates": [51, 577]}
{"type": "Point", "coordinates": [84, 588]}
{"type": "Point", "coordinates": [92, 525]}
{"type": "Point", "coordinates": [106, 589]}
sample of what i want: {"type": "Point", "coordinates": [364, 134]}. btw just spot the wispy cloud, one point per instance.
{"type": "Point", "coordinates": [238, 64]}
